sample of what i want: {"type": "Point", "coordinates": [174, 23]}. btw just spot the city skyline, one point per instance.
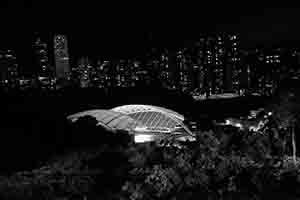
{"type": "Point", "coordinates": [211, 49]}
{"type": "Point", "coordinates": [27, 58]}
{"type": "Point", "coordinates": [214, 64]}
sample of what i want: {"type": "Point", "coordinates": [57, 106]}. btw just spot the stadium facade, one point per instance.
{"type": "Point", "coordinates": [146, 122]}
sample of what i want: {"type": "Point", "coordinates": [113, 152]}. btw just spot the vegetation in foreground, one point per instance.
{"type": "Point", "coordinates": [243, 165]}
{"type": "Point", "coordinates": [221, 164]}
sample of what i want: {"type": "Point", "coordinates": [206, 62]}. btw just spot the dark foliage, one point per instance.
{"type": "Point", "coordinates": [115, 168]}
{"type": "Point", "coordinates": [85, 160]}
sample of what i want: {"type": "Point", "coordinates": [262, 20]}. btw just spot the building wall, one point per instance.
{"type": "Point", "coordinates": [61, 56]}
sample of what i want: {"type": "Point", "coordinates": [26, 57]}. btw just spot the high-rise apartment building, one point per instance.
{"type": "Point", "coordinates": [85, 72]}
{"type": "Point", "coordinates": [41, 55]}
{"type": "Point", "coordinates": [122, 78]}
{"type": "Point", "coordinates": [209, 64]}
{"type": "Point", "coordinates": [173, 69]}
{"type": "Point", "coordinates": [199, 67]}
{"type": "Point", "coordinates": [184, 63]}
{"type": "Point", "coordinates": [164, 69]}
{"type": "Point", "coordinates": [258, 70]}
{"type": "Point", "coordinates": [106, 73]}
{"type": "Point", "coordinates": [61, 56]}
{"type": "Point", "coordinates": [233, 63]}
{"type": "Point", "coordinates": [9, 71]}
{"type": "Point", "coordinates": [219, 67]}
{"type": "Point", "coordinates": [273, 65]}
{"type": "Point", "coordinates": [245, 76]}
{"type": "Point", "coordinates": [216, 61]}
{"type": "Point", "coordinates": [45, 73]}
{"type": "Point", "coordinates": [135, 66]}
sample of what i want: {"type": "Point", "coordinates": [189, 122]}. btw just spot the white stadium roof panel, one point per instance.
{"type": "Point", "coordinates": [134, 108]}
{"type": "Point", "coordinates": [129, 117]}
{"type": "Point", "coordinates": [108, 119]}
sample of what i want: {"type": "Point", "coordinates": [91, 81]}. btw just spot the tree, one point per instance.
{"type": "Point", "coordinates": [286, 111]}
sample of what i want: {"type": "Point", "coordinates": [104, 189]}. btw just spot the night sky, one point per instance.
{"type": "Point", "coordinates": [128, 29]}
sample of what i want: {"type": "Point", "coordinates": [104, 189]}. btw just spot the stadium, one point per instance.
{"type": "Point", "coordinates": [145, 122]}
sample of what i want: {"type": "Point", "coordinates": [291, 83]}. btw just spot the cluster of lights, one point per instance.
{"type": "Point", "coordinates": [211, 54]}
{"type": "Point", "coordinates": [273, 59]}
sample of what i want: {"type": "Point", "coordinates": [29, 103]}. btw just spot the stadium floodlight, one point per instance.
{"type": "Point", "coordinates": [142, 138]}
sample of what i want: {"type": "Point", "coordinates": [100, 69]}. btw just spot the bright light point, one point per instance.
{"type": "Point", "coordinates": [269, 113]}
{"type": "Point", "coordinates": [252, 128]}
{"type": "Point", "coordinates": [238, 125]}
{"type": "Point", "coordinates": [186, 138]}
{"type": "Point", "coordinates": [143, 138]}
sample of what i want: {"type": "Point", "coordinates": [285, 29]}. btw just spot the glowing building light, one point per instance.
{"type": "Point", "coordinates": [143, 138]}
{"type": "Point", "coordinates": [270, 113]}
{"type": "Point", "coordinates": [238, 125]}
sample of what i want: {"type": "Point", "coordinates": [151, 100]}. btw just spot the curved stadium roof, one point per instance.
{"type": "Point", "coordinates": [108, 119]}
{"type": "Point", "coordinates": [136, 108]}
{"type": "Point", "coordinates": [153, 116]}
{"type": "Point", "coordinates": [129, 117]}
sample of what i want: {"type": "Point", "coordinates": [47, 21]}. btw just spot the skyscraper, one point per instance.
{"type": "Point", "coordinates": [42, 57]}
{"type": "Point", "coordinates": [172, 66]}
{"type": "Point", "coordinates": [8, 69]}
{"type": "Point", "coordinates": [184, 64]}
{"type": "Point", "coordinates": [164, 70]}
{"type": "Point", "coordinates": [233, 55]}
{"type": "Point", "coordinates": [45, 73]}
{"type": "Point", "coordinates": [273, 63]}
{"type": "Point", "coordinates": [85, 72]}
{"type": "Point", "coordinates": [219, 69]}
{"type": "Point", "coordinates": [121, 76]}
{"type": "Point", "coordinates": [209, 65]}
{"type": "Point", "coordinates": [199, 67]}
{"type": "Point", "coordinates": [61, 56]}
{"type": "Point", "coordinates": [257, 71]}
{"type": "Point", "coordinates": [105, 74]}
